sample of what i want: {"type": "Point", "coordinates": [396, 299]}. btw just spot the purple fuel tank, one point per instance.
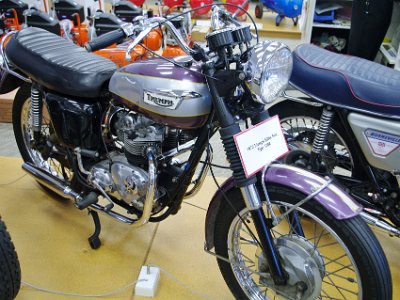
{"type": "Point", "coordinates": [166, 93]}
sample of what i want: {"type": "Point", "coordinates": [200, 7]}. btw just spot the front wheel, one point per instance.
{"type": "Point", "coordinates": [323, 258]}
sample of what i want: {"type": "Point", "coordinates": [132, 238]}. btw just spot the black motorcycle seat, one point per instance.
{"type": "Point", "coordinates": [58, 64]}
{"type": "Point", "coordinates": [346, 81]}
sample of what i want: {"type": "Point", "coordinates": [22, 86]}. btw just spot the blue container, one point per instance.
{"type": "Point", "coordinates": [325, 17]}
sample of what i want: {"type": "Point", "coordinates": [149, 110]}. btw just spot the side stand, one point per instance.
{"type": "Point", "coordinates": [94, 239]}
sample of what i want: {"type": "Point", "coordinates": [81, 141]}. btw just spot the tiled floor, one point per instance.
{"type": "Point", "coordinates": [50, 236]}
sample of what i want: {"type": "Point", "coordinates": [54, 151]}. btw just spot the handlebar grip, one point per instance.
{"type": "Point", "coordinates": [105, 40]}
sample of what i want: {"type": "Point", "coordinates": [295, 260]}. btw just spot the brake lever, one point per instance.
{"type": "Point", "coordinates": [136, 41]}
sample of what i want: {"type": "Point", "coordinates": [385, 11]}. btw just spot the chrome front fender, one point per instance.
{"type": "Point", "coordinates": [337, 202]}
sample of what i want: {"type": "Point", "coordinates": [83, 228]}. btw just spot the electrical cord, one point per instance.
{"type": "Point", "coordinates": [119, 290]}
{"type": "Point", "coordinates": [112, 293]}
{"type": "Point", "coordinates": [13, 181]}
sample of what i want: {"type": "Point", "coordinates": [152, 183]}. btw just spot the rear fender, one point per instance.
{"type": "Point", "coordinates": [8, 82]}
{"type": "Point", "coordinates": [338, 203]}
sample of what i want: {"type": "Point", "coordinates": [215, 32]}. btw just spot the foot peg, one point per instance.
{"type": "Point", "coordinates": [94, 240]}
{"type": "Point", "coordinates": [86, 201]}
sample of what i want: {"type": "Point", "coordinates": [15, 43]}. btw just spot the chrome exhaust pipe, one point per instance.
{"type": "Point", "coordinates": [61, 188]}
{"type": "Point", "coordinates": [50, 181]}
{"type": "Point", "coordinates": [379, 223]}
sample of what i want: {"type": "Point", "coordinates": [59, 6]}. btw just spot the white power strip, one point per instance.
{"type": "Point", "coordinates": [147, 282]}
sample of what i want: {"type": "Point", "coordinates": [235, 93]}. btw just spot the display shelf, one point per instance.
{"type": "Point", "coordinates": [335, 26]}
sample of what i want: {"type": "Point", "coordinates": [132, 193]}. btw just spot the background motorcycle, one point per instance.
{"type": "Point", "coordinates": [122, 134]}
{"type": "Point", "coordinates": [10, 271]}
{"type": "Point", "coordinates": [349, 127]}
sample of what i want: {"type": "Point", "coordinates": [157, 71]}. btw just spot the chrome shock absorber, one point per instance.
{"type": "Point", "coordinates": [321, 136]}
{"type": "Point", "coordinates": [36, 110]}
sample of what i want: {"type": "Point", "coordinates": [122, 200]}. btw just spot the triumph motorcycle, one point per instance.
{"type": "Point", "coordinates": [138, 138]}
{"type": "Point", "coordinates": [347, 127]}
{"type": "Point", "coordinates": [10, 271]}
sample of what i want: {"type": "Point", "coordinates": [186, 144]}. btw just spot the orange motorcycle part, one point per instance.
{"type": "Point", "coordinates": [81, 31]}
{"type": "Point", "coordinates": [81, 34]}
{"type": "Point", "coordinates": [172, 51]}
{"type": "Point", "coordinates": [153, 41]}
{"type": "Point", "coordinates": [13, 23]}
{"type": "Point", "coordinates": [117, 54]}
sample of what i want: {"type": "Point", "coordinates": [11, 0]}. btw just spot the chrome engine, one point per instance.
{"type": "Point", "coordinates": [128, 178]}
{"type": "Point", "coordinates": [125, 182]}
{"type": "Point", "coordinates": [137, 133]}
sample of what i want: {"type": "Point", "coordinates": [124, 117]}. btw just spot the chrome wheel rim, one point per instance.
{"type": "Point", "coordinates": [51, 165]}
{"type": "Point", "coordinates": [302, 129]}
{"type": "Point", "coordinates": [341, 279]}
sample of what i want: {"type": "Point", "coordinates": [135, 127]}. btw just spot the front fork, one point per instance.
{"type": "Point", "coordinates": [253, 201]}
{"type": "Point", "coordinates": [254, 204]}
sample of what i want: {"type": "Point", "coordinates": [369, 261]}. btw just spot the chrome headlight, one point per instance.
{"type": "Point", "coordinates": [269, 66]}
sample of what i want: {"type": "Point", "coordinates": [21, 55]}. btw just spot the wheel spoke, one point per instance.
{"type": "Point", "coordinates": [327, 251]}
{"type": "Point", "coordinates": [338, 288]}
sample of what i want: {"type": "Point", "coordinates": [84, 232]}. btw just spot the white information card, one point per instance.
{"type": "Point", "coordinates": [261, 144]}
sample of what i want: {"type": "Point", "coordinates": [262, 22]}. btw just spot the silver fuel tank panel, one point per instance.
{"type": "Point", "coordinates": [163, 92]}
{"type": "Point", "coordinates": [379, 140]}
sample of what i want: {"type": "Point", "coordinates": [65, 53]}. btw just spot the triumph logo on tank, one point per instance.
{"type": "Point", "coordinates": [161, 100]}
{"type": "Point", "coordinates": [382, 143]}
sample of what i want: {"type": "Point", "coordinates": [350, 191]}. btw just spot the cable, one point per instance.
{"type": "Point", "coordinates": [13, 181]}
{"type": "Point", "coordinates": [171, 276]}
{"type": "Point", "coordinates": [215, 165]}
{"type": "Point", "coordinates": [191, 204]}
{"type": "Point", "coordinates": [117, 291]}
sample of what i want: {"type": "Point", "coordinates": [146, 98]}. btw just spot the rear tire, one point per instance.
{"type": "Point", "coordinates": [10, 271]}
{"type": "Point", "coordinates": [23, 136]}
{"type": "Point", "coordinates": [348, 251]}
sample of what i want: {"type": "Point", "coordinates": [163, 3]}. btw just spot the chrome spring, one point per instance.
{"type": "Point", "coordinates": [323, 130]}
{"type": "Point", "coordinates": [36, 108]}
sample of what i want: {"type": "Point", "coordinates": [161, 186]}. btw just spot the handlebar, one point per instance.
{"type": "Point", "coordinates": [144, 26]}
{"type": "Point", "coordinates": [154, 23]}
{"type": "Point", "coordinates": [106, 40]}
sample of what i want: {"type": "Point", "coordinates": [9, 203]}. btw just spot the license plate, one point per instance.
{"type": "Point", "coordinates": [261, 144]}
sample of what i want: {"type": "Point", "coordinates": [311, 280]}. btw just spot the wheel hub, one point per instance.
{"type": "Point", "coordinates": [303, 265]}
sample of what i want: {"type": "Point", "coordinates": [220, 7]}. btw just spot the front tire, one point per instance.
{"type": "Point", "coordinates": [350, 260]}
{"type": "Point", "coordinates": [10, 271]}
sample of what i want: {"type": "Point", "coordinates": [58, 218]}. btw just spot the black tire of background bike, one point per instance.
{"type": "Point", "coordinates": [354, 232]}
{"type": "Point", "coordinates": [10, 271]}
{"type": "Point", "coordinates": [21, 96]}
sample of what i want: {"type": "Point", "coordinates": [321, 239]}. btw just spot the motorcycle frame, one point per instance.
{"type": "Point", "coordinates": [339, 204]}
{"type": "Point", "coordinates": [362, 170]}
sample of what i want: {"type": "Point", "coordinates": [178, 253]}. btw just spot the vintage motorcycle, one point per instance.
{"type": "Point", "coordinates": [10, 271]}
{"type": "Point", "coordinates": [348, 127]}
{"type": "Point", "coordinates": [135, 137]}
